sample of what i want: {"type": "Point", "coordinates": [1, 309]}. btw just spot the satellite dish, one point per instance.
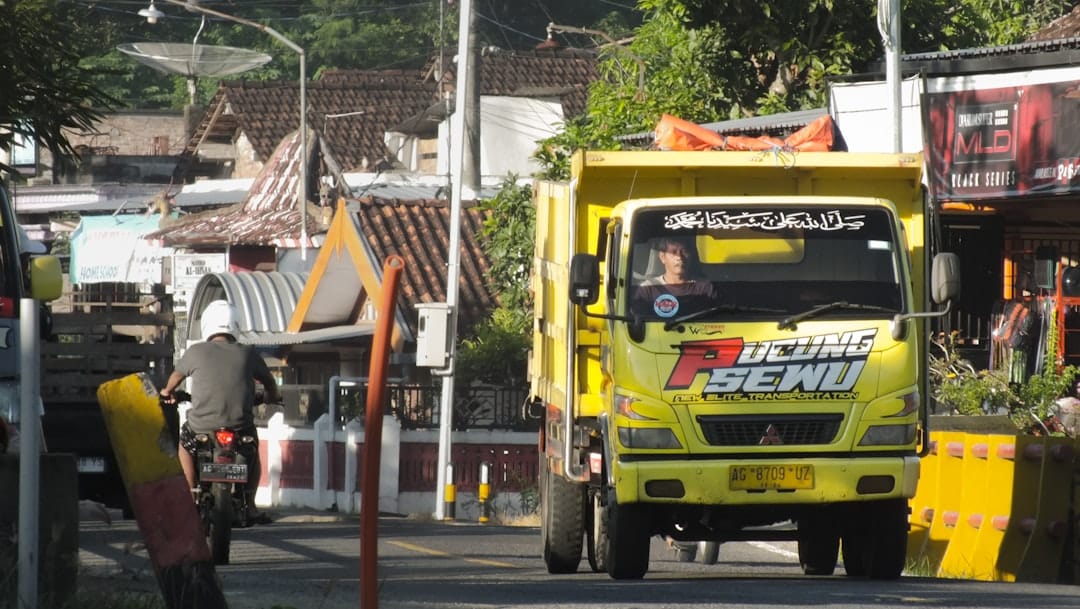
{"type": "Point", "coordinates": [194, 60]}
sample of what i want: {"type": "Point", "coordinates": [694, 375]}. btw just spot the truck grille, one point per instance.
{"type": "Point", "coordinates": [755, 430]}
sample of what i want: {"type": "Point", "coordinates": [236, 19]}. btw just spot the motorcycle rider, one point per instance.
{"type": "Point", "coordinates": [222, 375]}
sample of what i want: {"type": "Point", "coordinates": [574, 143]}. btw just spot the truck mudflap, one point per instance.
{"type": "Point", "coordinates": [766, 481]}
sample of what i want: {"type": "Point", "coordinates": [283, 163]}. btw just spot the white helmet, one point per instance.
{"type": "Point", "coordinates": [219, 317]}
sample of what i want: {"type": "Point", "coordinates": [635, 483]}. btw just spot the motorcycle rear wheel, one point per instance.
{"type": "Point", "coordinates": [221, 520]}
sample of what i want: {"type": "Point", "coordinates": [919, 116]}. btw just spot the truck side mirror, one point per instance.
{"type": "Point", "coordinates": [584, 279]}
{"type": "Point", "coordinates": [945, 277]}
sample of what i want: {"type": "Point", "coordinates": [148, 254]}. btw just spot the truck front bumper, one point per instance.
{"type": "Point", "coordinates": [710, 482]}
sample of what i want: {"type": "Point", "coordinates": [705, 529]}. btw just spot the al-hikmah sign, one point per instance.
{"type": "Point", "coordinates": [1003, 135]}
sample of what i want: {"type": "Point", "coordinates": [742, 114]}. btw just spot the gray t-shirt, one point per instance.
{"type": "Point", "coordinates": [223, 378]}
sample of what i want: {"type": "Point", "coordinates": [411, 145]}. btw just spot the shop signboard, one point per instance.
{"type": "Point", "coordinates": [1003, 136]}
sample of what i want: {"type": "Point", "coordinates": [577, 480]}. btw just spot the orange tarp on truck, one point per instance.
{"type": "Point", "coordinates": [674, 133]}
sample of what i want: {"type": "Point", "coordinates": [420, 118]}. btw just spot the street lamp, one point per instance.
{"type": "Point", "coordinates": [152, 15]}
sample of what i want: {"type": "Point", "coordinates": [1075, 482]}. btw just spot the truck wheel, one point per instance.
{"type": "Point", "coordinates": [596, 534]}
{"type": "Point", "coordinates": [819, 545]}
{"type": "Point", "coordinates": [889, 535]}
{"type": "Point", "coordinates": [562, 508]}
{"type": "Point", "coordinates": [875, 540]}
{"type": "Point", "coordinates": [854, 553]}
{"type": "Point", "coordinates": [629, 533]}
{"type": "Point", "coordinates": [709, 551]}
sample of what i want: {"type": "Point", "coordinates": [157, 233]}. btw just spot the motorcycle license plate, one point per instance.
{"type": "Point", "coordinates": [223, 472]}
{"type": "Point", "coordinates": [771, 477]}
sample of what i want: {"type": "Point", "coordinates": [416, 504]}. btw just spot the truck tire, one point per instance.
{"type": "Point", "coordinates": [596, 534]}
{"type": "Point", "coordinates": [875, 540]}
{"type": "Point", "coordinates": [889, 535]}
{"type": "Point", "coordinates": [709, 551]}
{"type": "Point", "coordinates": [629, 534]}
{"type": "Point", "coordinates": [562, 508]}
{"type": "Point", "coordinates": [819, 545]}
{"type": "Point", "coordinates": [853, 550]}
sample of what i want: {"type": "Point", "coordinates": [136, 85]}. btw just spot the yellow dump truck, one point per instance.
{"type": "Point", "coordinates": [731, 346]}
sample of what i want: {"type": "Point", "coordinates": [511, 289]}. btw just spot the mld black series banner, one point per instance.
{"type": "Point", "coordinates": [994, 142]}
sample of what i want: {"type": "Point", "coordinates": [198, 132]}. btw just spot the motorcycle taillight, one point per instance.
{"type": "Point", "coordinates": [225, 437]}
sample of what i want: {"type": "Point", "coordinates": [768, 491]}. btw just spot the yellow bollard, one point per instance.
{"type": "Point", "coordinates": [449, 494]}
{"type": "Point", "coordinates": [484, 492]}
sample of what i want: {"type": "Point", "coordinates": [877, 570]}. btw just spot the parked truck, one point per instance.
{"type": "Point", "coordinates": [781, 396]}
{"type": "Point", "coordinates": [23, 274]}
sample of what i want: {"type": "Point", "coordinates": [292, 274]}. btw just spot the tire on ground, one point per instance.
{"type": "Point", "coordinates": [629, 535]}
{"type": "Point", "coordinates": [819, 545]}
{"type": "Point", "coordinates": [562, 510]}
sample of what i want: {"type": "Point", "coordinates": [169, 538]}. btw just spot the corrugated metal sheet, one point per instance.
{"type": "Point", "coordinates": [265, 302]}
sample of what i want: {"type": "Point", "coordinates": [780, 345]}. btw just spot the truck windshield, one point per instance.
{"type": "Point", "coordinates": [762, 262]}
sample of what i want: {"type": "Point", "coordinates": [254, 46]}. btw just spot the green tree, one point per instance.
{"type": "Point", "coordinates": [711, 60]}
{"type": "Point", "coordinates": [45, 89]}
{"type": "Point", "coordinates": [495, 350]}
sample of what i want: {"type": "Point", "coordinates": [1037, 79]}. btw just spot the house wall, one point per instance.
{"type": "Point", "coordinates": [247, 164]}
{"type": "Point", "coordinates": [509, 131]}
{"type": "Point", "coordinates": [859, 111]}
{"type": "Point", "coordinates": [128, 133]}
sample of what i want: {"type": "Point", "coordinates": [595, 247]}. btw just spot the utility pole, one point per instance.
{"type": "Point", "coordinates": [457, 169]}
{"type": "Point", "coordinates": [889, 27]}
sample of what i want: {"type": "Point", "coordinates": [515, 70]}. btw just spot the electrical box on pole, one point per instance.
{"type": "Point", "coordinates": [432, 337]}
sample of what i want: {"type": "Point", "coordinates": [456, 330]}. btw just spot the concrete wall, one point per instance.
{"type": "Point", "coordinates": [318, 468]}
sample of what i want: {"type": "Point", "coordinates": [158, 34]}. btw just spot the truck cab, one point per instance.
{"type": "Point", "coordinates": [735, 362]}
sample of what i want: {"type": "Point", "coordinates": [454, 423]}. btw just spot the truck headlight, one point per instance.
{"type": "Point", "coordinates": [888, 435]}
{"type": "Point", "coordinates": [655, 437]}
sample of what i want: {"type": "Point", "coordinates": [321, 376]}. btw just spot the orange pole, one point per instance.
{"type": "Point", "coordinates": [369, 484]}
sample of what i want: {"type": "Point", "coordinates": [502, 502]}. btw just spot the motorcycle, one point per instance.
{"type": "Point", "coordinates": [221, 478]}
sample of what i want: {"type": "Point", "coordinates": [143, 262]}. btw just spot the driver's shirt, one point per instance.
{"type": "Point", "coordinates": [650, 291]}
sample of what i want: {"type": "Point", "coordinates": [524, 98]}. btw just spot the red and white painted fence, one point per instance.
{"type": "Point", "coordinates": [315, 467]}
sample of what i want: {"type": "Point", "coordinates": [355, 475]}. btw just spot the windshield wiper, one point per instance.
{"type": "Point", "coordinates": [720, 308]}
{"type": "Point", "coordinates": [790, 322]}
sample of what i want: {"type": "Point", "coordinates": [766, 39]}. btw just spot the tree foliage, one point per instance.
{"type": "Point", "coordinates": [712, 60]}
{"type": "Point", "coordinates": [45, 89]}
{"type": "Point", "coordinates": [495, 350]}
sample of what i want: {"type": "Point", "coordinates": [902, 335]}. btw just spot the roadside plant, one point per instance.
{"type": "Point", "coordinates": [957, 385]}
{"type": "Point", "coordinates": [1031, 404]}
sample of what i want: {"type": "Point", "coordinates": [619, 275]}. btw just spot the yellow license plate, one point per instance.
{"type": "Point", "coordinates": [771, 477]}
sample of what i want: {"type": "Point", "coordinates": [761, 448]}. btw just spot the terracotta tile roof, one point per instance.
{"type": "Point", "coordinates": [419, 232]}
{"type": "Point", "coordinates": [557, 72]}
{"type": "Point", "coordinates": [266, 112]}
{"type": "Point", "coordinates": [268, 215]}
{"type": "Point", "coordinates": [1066, 26]}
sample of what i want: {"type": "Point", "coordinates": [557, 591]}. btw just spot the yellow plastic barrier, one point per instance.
{"type": "Point", "coordinates": [1042, 559]}
{"type": "Point", "coordinates": [995, 508]}
{"type": "Point", "coordinates": [945, 500]}
{"type": "Point", "coordinates": [1023, 506]}
{"type": "Point", "coordinates": [991, 518]}
{"type": "Point", "coordinates": [965, 517]}
{"type": "Point", "coordinates": [922, 504]}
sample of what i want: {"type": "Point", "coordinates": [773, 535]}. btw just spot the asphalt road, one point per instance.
{"type": "Point", "coordinates": [312, 561]}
